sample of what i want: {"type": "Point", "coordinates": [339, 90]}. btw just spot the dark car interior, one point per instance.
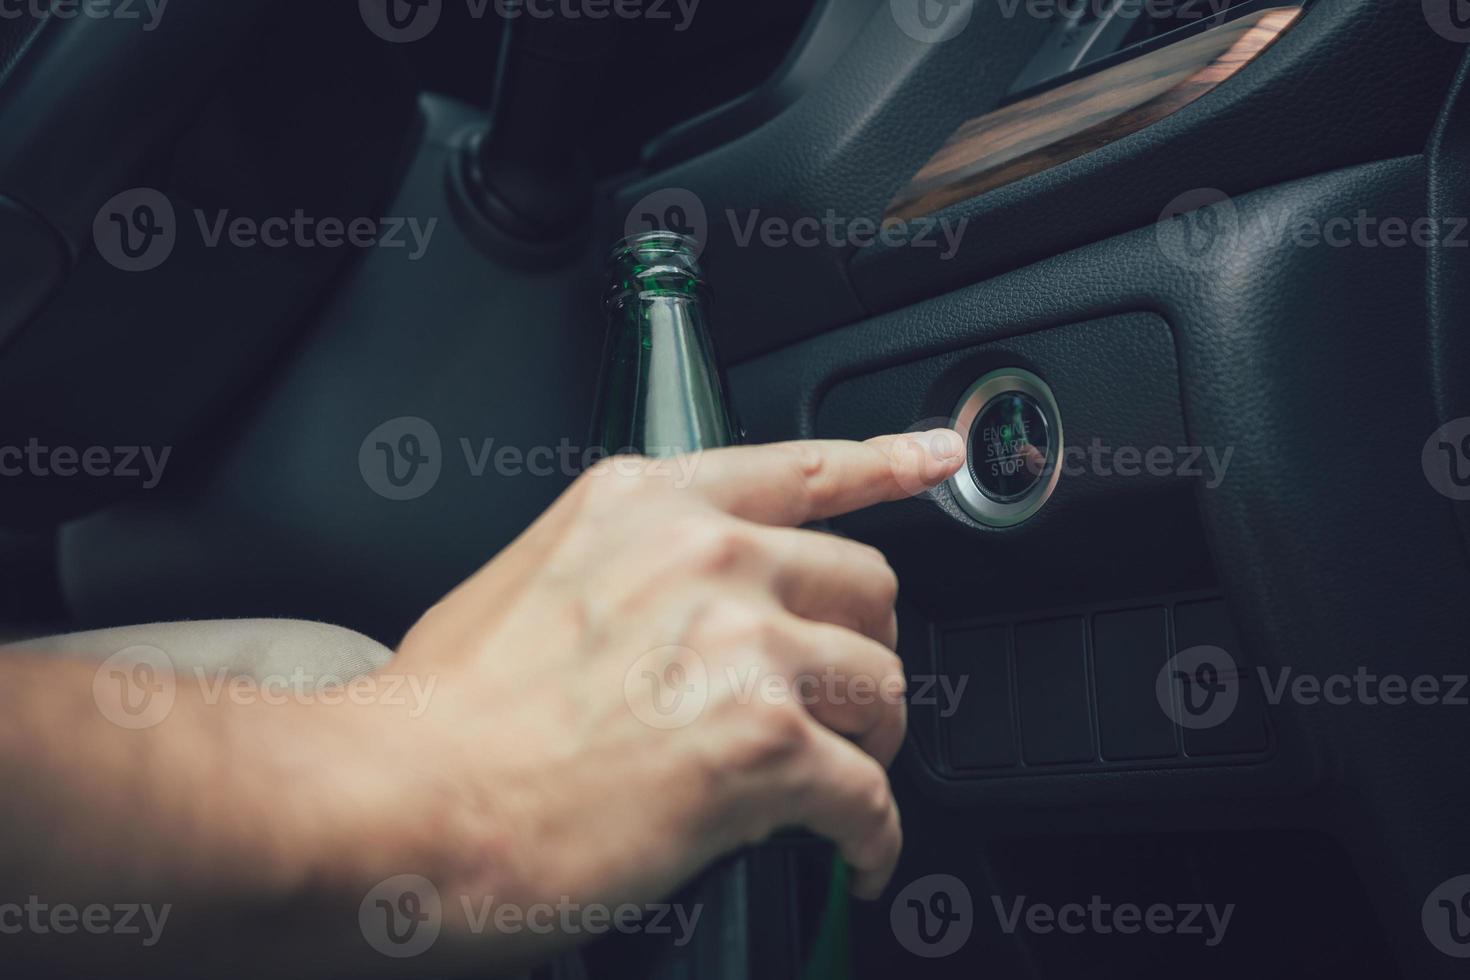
{"type": "Point", "coordinates": [1207, 258]}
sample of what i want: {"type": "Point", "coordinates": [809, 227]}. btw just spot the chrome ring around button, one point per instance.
{"type": "Point", "coordinates": [972, 498]}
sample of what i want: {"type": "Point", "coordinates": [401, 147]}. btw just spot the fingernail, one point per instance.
{"type": "Point", "coordinates": [945, 444]}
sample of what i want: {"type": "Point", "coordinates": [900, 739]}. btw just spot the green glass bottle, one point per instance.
{"type": "Point", "coordinates": [662, 390]}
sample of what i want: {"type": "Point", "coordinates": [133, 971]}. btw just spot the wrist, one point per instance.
{"type": "Point", "coordinates": [399, 799]}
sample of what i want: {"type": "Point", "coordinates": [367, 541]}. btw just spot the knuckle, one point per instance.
{"type": "Point", "coordinates": [888, 585]}
{"type": "Point", "coordinates": [725, 623]}
{"type": "Point", "coordinates": [614, 478]}
{"type": "Point", "coordinates": [876, 797]}
{"type": "Point", "coordinates": [602, 470]}
{"type": "Point", "coordinates": [809, 466]}
{"type": "Point", "coordinates": [714, 546]}
{"type": "Point", "coordinates": [895, 669]}
{"type": "Point", "coordinates": [808, 459]}
{"type": "Point", "coordinates": [774, 734]}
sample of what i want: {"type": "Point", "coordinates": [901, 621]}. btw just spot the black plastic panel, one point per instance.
{"type": "Point", "coordinates": [1082, 687]}
{"type": "Point", "coordinates": [1356, 81]}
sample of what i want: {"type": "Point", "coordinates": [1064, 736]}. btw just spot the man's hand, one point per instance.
{"type": "Point", "coordinates": [662, 669]}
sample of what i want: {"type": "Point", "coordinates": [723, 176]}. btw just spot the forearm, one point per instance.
{"type": "Point", "coordinates": [249, 829]}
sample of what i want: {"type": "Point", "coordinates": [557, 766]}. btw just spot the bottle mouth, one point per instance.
{"type": "Point", "coordinates": [655, 243]}
{"type": "Point", "coordinates": [654, 263]}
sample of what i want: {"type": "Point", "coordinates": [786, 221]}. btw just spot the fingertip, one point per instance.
{"type": "Point", "coordinates": [946, 445]}
{"type": "Point", "coordinates": [920, 461]}
{"type": "Point", "coordinates": [943, 454]}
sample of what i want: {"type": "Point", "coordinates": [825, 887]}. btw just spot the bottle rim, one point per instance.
{"type": "Point", "coordinates": [668, 241]}
{"type": "Point", "coordinates": [665, 261]}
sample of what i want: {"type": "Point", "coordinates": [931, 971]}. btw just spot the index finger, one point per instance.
{"type": "Point", "coordinates": [794, 483]}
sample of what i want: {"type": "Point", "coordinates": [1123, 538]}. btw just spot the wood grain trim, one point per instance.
{"type": "Point", "coordinates": [1063, 123]}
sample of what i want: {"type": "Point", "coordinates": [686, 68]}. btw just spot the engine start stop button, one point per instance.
{"type": "Point", "coordinates": [1013, 428]}
{"type": "Point", "coordinates": [1009, 446]}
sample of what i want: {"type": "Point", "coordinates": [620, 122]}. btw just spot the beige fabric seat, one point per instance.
{"type": "Point", "coordinates": [259, 649]}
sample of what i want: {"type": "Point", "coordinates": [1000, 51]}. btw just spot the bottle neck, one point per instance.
{"type": "Point", "coordinates": [663, 393]}
{"type": "Point", "coordinates": [657, 264]}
